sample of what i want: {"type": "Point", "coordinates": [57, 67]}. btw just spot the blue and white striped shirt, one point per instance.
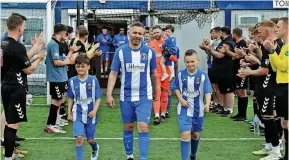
{"type": "Point", "coordinates": [84, 95]}
{"type": "Point", "coordinates": [135, 67]}
{"type": "Point", "coordinates": [193, 88]}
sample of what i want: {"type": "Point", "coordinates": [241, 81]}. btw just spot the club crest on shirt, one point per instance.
{"type": "Point", "coordinates": [89, 85]}
{"type": "Point", "coordinates": [198, 80]}
{"type": "Point", "coordinates": [287, 54]}
{"type": "Point", "coordinates": [143, 56]}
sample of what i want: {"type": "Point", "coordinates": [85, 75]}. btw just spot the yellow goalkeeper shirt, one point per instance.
{"type": "Point", "coordinates": [279, 64]}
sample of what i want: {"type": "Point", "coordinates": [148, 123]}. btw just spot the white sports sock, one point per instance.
{"type": "Point", "coordinates": [163, 114]}
{"type": "Point", "coordinates": [105, 69]}
{"type": "Point", "coordinates": [6, 158]}
{"type": "Point", "coordinates": [157, 115]}
{"type": "Point", "coordinates": [230, 109]}
{"type": "Point", "coordinates": [58, 118]}
{"type": "Point", "coordinates": [276, 150]}
{"type": "Point", "coordinates": [261, 125]}
{"type": "Point", "coordinates": [268, 146]}
{"type": "Point", "coordinates": [129, 156]}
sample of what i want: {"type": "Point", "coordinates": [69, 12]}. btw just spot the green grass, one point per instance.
{"type": "Point", "coordinates": [110, 126]}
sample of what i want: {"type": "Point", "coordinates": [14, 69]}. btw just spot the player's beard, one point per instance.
{"type": "Point", "coordinates": [135, 41]}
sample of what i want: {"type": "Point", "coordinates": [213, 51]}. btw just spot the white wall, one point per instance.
{"type": "Point", "coordinates": [190, 35]}
{"type": "Point", "coordinates": [265, 15]}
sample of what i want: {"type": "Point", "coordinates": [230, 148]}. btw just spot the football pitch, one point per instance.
{"type": "Point", "coordinates": [221, 139]}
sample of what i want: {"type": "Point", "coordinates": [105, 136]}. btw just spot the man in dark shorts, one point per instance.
{"type": "Point", "coordinates": [56, 73]}
{"type": "Point", "coordinates": [224, 70]}
{"type": "Point", "coordinates": [240, 84]}
{"type": "Point", "coordinates": [266, 92]}
{"type": "Point", "coordinates": [16, 67]}
{"type": "Point", "coordinates": [280, 66]}
{"type": "Point", "coordinates": [216, 37]}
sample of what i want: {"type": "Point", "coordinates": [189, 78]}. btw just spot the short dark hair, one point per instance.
{"type": "Point", "coordinates": [147, 28]}
{"type": "Point", "coordinates": [284, 19]}
{"type": "Point", "coordinates": [170, 27]}
{"type": "Point", "coordinates": [216, 29]}
{"type": "Point", "coordinates": [190, 52]}
{"type": "Point", "coordinates": [275, 20]}
{"type": "Point", "coordinates": [226, 30]}
{"type": "Point", "coordinates": [163, 29]}
{"type": "Point", "coordinates": [157, 27]}
{"type": "Point", "coordinates": [137, 24]}
{"type": "Point", "coordinates": [15, 20]}
{"type": "Point", "coordinates": [238, 32]}
{"type": "Point", "coordinates": [69, 29]}
{"type": "Point", "coordinates": [82, 59]}
{"type": "Point", "coordinates": [104, 27]}
{"type": "Point", "coordinates": [59, 28]}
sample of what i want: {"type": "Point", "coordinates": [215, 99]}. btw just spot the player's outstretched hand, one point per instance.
{"type": "Point", "coordinates": [184, 103]}
{"type": "Point", "coordinates": [91, 114]}
{"type": "Point", "coordinates": [97, 52]}
{"type": "Point", "coordinates": [69, 117]}
{"type": "Point", "coordinates": [110, 101]}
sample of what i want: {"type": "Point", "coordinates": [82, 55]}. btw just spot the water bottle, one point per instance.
{"type": "Point", "coordinates": [256, 125]}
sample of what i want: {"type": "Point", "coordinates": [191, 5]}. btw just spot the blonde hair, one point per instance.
{"type": "Point", "coordinates": [267, 23]}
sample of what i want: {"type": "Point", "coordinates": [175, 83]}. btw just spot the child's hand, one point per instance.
{"type": "Point", "coordinates": [184, 103]}
{"type": "Point", "coordinates": [92, 114]}
{"type": "Point", "coordinates": [207, 108]}
{"type": "Point", "coordinates": [70, 117]}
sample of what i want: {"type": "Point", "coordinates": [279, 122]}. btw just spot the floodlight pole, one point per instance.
{"type": "Point", "coordinates": [77, 14]}
{"type": "Point", "coordinates": [85, 13]}
{"type": "Point", "coordinates": [149, 16]}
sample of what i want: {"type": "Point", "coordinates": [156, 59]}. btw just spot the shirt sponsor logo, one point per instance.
{"type": "Point", "coordinates": [132, 67]}
{"type": "Point", "coordinates": [56, 54]}
{"type": "Point", "coordinates": [84, 101]}
{"type": "Point", "coordinates": [191, 93]}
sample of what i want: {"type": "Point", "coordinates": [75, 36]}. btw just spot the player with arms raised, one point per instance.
{"type": "Point", "coordinates": [137, 63]}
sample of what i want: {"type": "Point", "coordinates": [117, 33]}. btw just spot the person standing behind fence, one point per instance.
{"type": "Point", "coordinates": [16, 67]}
{"type": "Point", "coordinates": [105, 40]}
{"type": "Point", "coordinates": [56, 74]}
{"type": "Point", "coordinates": [120, 39]}
{"type": "Point", "coordinates": [91, 52]}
